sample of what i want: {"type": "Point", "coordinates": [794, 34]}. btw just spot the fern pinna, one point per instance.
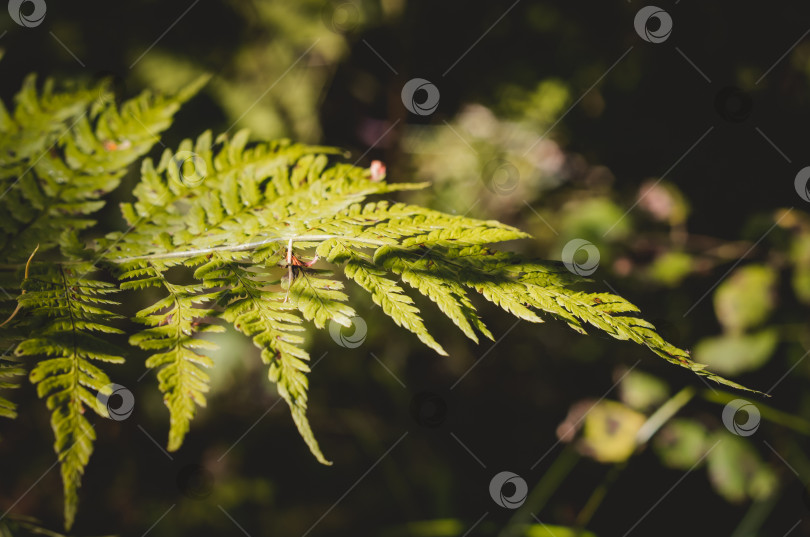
{"type": "Point", "coordinates": [239, 217]}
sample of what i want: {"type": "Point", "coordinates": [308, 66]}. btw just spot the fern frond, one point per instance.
{"type": "Point", "coordinates": [61, 151]}
{"type": "Point", "coordinates": [264, 315]}
{"type": "Point", "coordinates": [289, 192]}
{"type": "Point", "coordinates": [385, 292]}
{"type": "Point", "coordinates": [173, 322]}
{"type": "Point", "coordinates": [229, 203]}
{"type": "Point", "coordinates": [266, 191]}
{"type": "Point", "coordinates": [38, 118]}
{"type": "Point", "coordinates": [320, 300]}
{"type": "Point", "coordinates": [527, 288]}
{"type": "Point", "coordinates": [10, 371]}
{"type": "Point", "coordinates": [66, 309]}
{"type": "Point", "coordinates": [447, 294]}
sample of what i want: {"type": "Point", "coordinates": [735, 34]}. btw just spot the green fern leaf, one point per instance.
{"type": "Point", "coordinates": [268, 318]}
{"type": "Point", "coordinates": [254, 199]}
{"type": "Point", "coordinates": [10, 371]}
{"type": "Point", "coordinates": [69, 308]}
{"type": "Point", "coordinates": [392, 299]}
{"type": "Point", "coordinates": [61, 151]}
{"type": "Point", "coordinates": [173, 322]}
{"type": "Point", "coordinates": [320, 300]}
{"type": "Point", "coordinates": [447, 294]}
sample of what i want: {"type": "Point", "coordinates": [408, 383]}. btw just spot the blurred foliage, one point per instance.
{"type": "Point", "coordinates": [609, 429]}
{"type": "Point", "coordinates": [681, 443]}
{"type": "Point", "coordinates": [745, 299]}
{"type": "Point", "coordinates": [642, 391]}
{"type": "Point", "coordinates": [291, 49]}
{"type": "Point", "coordinates": [733, 354]}
{"type": "Point", "coordinates": [736, 469]}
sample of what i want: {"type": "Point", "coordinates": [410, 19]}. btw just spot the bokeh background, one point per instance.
{"type": "Point", "coordinates": [677, 160]}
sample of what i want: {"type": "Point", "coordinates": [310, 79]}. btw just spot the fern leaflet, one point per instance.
{"type": "Point", "coordinates": [67, 314]}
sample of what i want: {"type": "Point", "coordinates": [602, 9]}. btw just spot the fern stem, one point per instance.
{"type": "Point", "coordinates": [74, 354]}
{"type": "Point", "coordinates": [245, 246]}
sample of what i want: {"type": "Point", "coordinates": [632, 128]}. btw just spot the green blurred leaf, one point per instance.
{"type": "Point", "coordinates": [642, 391]}
{"type": "Point", "coordinates": [671, 268]}
{"type": "Point", "coordinates": [609, 433]}
{"type": "Point", "coordinates": [800, 250]}
{"type": "Point", "coordinates": [800, 256]}
{"type": "Point", "coordinates": [544, 530]}
{"type": "Point", "coordinates": [736, 470]}
{"type": "Point", "coordinates": [763, 484]}
{"type": "Point", "coordinates": [441, 527]}
{"type": "Point", "coordinates": [591, 218]}
{"type": "Point", "coordinates": [681, 443]}
{"type": "Point", "coordinates": [801, 283]}
{"type": "Point", "coordinates": [746, 298]}
{"type": "Point", "coordinates": [542, 105]}
{"type": "Point", "coordinates": [737, 353]}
